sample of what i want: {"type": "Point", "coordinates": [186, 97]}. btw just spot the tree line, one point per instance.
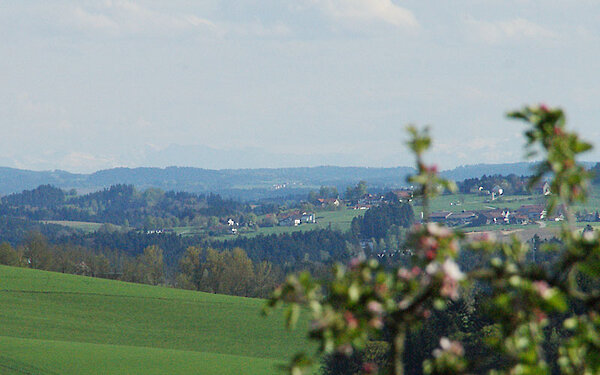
{"type": "Point", "coordinates": [199, 268]}
{"type": "Point", "coordinates": [120, 205]}
{"type": "Point", "coordinates": [377, 221]}
{"type": "Point", "coordinates": [510, 184]}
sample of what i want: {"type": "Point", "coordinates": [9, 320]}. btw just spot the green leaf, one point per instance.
{"type": "Point", "coordinates": [292, 314]}
{"type": "Point", "coordinates": [557, 301]}
{"type": "Point", "coordinates": [354, 292]}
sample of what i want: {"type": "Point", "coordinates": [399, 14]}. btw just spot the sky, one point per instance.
{"type": "Point", "coordinates": [89, 85]}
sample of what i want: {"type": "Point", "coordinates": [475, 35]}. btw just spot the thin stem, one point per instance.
{"type": "Point", "coordinates": [425, 190]}
{"type": "Point", "coordinates": [398, 350]}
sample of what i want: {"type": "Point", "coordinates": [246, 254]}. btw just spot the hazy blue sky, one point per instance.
{"type": "Point", "coordinates": [86, 85]}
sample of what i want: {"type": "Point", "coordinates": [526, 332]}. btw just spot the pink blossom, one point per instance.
{"type": "Point", "coordinates": [428, 243]}
{"type": "Point", "coordinates": [355, 262]}
{"type": "Point", "coordinates": [345, 349]}
{"type": "Point", "coordinates": [452, 270]}
{"type": "Point", "coordinates": [426, 313]}
{"type": "Point", "coordinates": [430, 254]}
{"type": "Point", "coordinates": [381, 289]}
{"type": "Point", "coordinates": [405, 274]}
{"type": "Point", "coordinates": [448, 346]}
{"type": "Point", "coordinates": [369, 368]}
{"type": "Point", "coordinates": [317, 324]}
{"type": "Point", "coordinates": [589, 236]}
{"type": "Point", "coordinates": [543, 289]}
{"type": "Point", "coordinates": [449, 288]}
{"type": "Point", "coordinates": [351, 321]}
{"type": "Point", "coordinates": [375, 307]}
{"type": "Point", "coordinates": [453, 246]}
{"type": "Point", "coordinates": [438, 230]}
{"type": "Point", "coordinates": [416, 271]}
{"type": "Point", "coordinates": [539, 315]}
{"type": "Point", "coordinates": [452, 275]}
{"type": "Point", "coordinates": [484, 237]}
{"type": "Point", "coordinates": [432, 169]}
{"type": "Point", "coordinates": [432, 268]}
{"type": "Point", "coordinates": [376, 323]}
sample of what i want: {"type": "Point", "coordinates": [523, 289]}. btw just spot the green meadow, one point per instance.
{"type": "Point", "coordinates": [52, 323]}
{"type": "Point", "coordinates": [474, 202]}
{"type": "Point", "coordinates": [83, 226]}
{"type": "Point", "coordinates": [339, 220]}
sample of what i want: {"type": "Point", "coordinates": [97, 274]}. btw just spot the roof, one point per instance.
{"type": "Point", "coordinates": [440, 215]}
{"type": "Point", "coordinates": [537, 208]}
{"type": "Point", "coordinates": [520, 216]}
{"type": "Point", "coordinates": [491, 214]}
{"type": "Point", "coordinates": [462, 215]}
{"type": "Point", "coordinates": [403, 193]}
{"type": "Point", "coordinates": [328, 200]}
{"type": "Point", "coordinates": [290, 215]}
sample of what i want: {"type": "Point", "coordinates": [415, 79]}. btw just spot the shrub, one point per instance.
{"type": "Point", "coordinates": [531, 318]}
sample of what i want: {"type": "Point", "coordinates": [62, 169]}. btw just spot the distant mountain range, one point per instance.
{"type": "Point", "coordinates": [251, 183]}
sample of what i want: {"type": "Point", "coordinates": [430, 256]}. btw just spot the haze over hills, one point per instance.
{"type": "Point", "coordinates": [477, 170]}
{"type": "Point", "coordinates": [243, 158]}
{"type": "Point", "coordinates": [229, 182]}
{"type": "Point", "coordinates": [225, 181]}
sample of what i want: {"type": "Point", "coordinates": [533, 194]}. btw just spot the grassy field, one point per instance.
{"type": "Point", "coordinates": [83, 226]}
{"type": "Point", "coordinates": [32, 356]}
{"type": "Point", "coordinates": [53, 323]}
{"type": "Point", "coordinates": [469, 202]}
{"type": "Point", "coordinates": [593, 202]}
{"type": "Point", "coordinates": [336, 219]}
{"type": "Point", "coordinates": [474, 202]}
{"type": "Point", "coordinates": [341, 219]}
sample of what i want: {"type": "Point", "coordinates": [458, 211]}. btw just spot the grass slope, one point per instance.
{"type": "Point", "coordinates": [57, 323]}
{"type": "Point", "coordinates": [32, 356]}
{"type": "Point", "coordinates": [474, 202]}
{"type": "Point", "coordinates": [83, 226]}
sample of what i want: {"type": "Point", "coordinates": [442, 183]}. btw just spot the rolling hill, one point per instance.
{"type": "Point", "coordinates": [52, 323]}
{"type": "Point", "coordinates": [241, 183]}
{"type": "Point", "coordinates": [235, 182]}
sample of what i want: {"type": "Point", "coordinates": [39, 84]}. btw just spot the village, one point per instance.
{"type": "Point", "coordinates": [526, 214]}
{"type": "Point", "coordinates": [482, 207]}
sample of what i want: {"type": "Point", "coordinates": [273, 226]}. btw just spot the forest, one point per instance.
{"type": "Point", "coordinates": [134, 240]}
